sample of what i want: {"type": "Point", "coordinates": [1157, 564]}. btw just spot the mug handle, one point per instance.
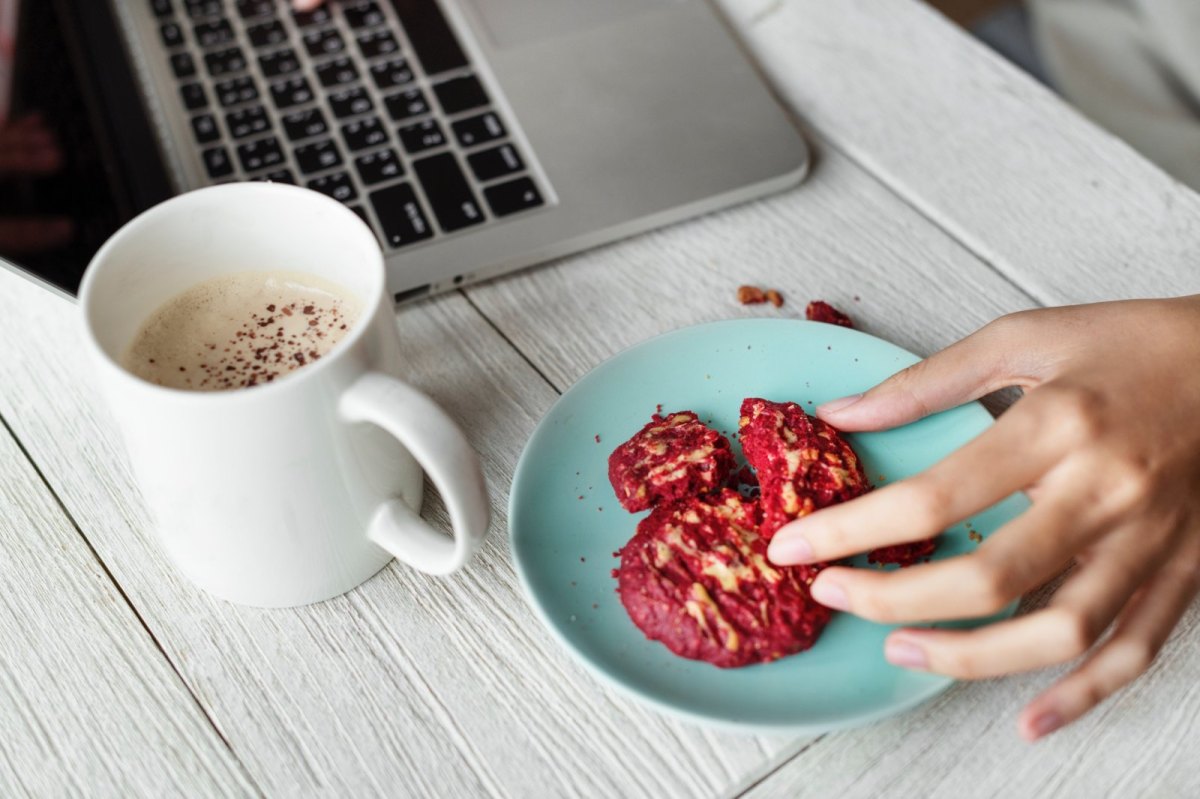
{"type": "Point", "coordinates": [441, 449]}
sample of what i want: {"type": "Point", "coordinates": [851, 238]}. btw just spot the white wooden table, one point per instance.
{"type": "Point", "coordinates": [948, 189]}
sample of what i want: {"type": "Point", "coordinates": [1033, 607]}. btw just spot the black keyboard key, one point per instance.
{"type": "Point", "coordinates": [495, 162]}
{"type": "Point", "coordinates": [281, 63]}
{"type": "Point", "coordinates": [305, 124]}
{"type": "Point", "coordinates": [324, 42]}
{"type": "Point", "coordinates": [213, 34]}
{"type": "Point", "coordinates": [422, 136]}
{"type": "Point", "coordinates": [183, 65]}
{"type": "Point", "coordinates": [279, 176]}
{"type": "Point", "coordinates": [249, 9]}
{"type": "Point", "coordinates": [400, 215]}
{"type": "Point", "coordinates": [203, 8]}
{"type": "Point", "coordinates": [337, 72]}
{"type": "Point", "coordinates": [378, 43]}
{"type": "Point", "coordinates": [161, 8]}
{"type": "Point", "coordinates": [291, 92]}
{"type": "Point", "coordinates": [377, 167]}
{"type": "Point", "coordinates": [268, 34]}
{"type": "Point", "coordinates": [338, 186]}
{"type": "Point", "coordinates": [216, 161]}
{"type": "Point", "coordinates": [391, 73]}
{"type": "Point", "coordinates": [222, 62]}
{"type": "Point", "coordinates": [406, 105]}
{"type": "Point", "coordinates": [446, 187]}
{"type": "Point", "coordinates": [364, 15]}
{"type": "Point", "coordinates": [436, 45]}
{"type": "Point", "coordinates": [364, 133]}
{"type": "Point", "coordinates": [247, 122]}
{"type": "Point", "coordinates": [358, 209]}
{"type": "Point", "coordinates": [172, 35]}
{"type": "Point", "coordinates": [350, 102]}
{"type": "Point", "coordinates": [261, 154]}
{"type": "Point", "coordinates": [318, 156]}
{"type": "Point", "coordinates": [236, 90]}
{"type": "Point", "coordinates": [460, 94]}
{"type": "Point", "coordinates": [194, 96]}
{"type": "Point", "coordinates": [306, 19]}
{"type": "Point", "coordinates": [478, 129]}
{"type": "Point", "coordinates": [515, 195]}
{"type": "Point", "coordinates": [205, 128]}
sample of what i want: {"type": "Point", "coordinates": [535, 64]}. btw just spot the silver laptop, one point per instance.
{"type": "Point", "coordinates": [474, 136]}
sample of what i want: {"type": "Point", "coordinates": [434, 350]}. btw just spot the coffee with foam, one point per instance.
{"type": "Point", "coordinates": [241, 330]}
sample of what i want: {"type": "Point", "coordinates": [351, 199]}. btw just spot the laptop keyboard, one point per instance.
{"type": "Point", "coordinates": [374, 103]}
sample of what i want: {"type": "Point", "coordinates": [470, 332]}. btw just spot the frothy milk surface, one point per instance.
{"type": "Point", "coordinates": [241, 330]}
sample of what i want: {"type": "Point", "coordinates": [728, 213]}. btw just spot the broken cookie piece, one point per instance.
{"type": "Point", "coordinates": [803, 464]}
{"type": "Point", "coordinates": [673, 456]}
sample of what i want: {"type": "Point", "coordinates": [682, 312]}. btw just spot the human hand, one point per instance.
{"type": "Point", "coordinates": [1106, 444]}
{"type": "Point", "coordinates": [306, 5]}
{"type": "Point", "coordinates": [29, 149]}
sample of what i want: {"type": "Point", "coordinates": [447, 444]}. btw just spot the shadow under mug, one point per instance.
{"type": "Point", "coordinates": [300, 489]}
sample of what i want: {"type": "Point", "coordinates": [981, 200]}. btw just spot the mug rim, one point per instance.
{"type": "Point", "coordinates": [151, 216]}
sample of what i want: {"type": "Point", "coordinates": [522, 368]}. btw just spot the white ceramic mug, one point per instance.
{"type": "Point", "coordinates": [298, 490]}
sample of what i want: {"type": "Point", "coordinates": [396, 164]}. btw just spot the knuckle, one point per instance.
{"type": "Point", "coordinates": [1074, 631]}
{"type": "Point", "coordinates": [1093, 693]}
{"type": "Point", "coordinates": [1009, 323]}
{"type": "Point", "coordinates": [830, 540]}
{"type": "Point", "coordinates": [834, 542]}
{"type": "Point", "coordinates": [1133, 658]}
{"type": "Point", "coordinates": [1131, 482]}
{"type": "Point", "coordinates": [1190, 573]}
{"type": "Point", "coordinates": [871, 604]}
{"type": "Point", "coordinates": [905, 384]}
{"type": "Point", "coordinates": [1076, 411]}
{"type": "Point", "coordinates": [991, 584]}
{"type": "Point", "coordinates": [927, 501]}
{"type": "Point", "coordinates": [960, 663]}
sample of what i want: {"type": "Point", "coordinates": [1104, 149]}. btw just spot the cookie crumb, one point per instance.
{"type": "Point", "coordinates": [751, 295]}
{"type": "Point", "coordinates": [821, 311]}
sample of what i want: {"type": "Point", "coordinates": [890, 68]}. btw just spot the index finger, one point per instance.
{"type": "Point", "coordinates": [1005, 458]}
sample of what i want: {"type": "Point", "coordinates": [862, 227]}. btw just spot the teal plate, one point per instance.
{"type": "Point", "coordinates": [565, 523]}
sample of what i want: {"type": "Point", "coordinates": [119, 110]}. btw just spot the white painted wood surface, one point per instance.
{"type": "Point", "coordinates": [1064, 209]}
{"type": "Point", "coordinates": [88, 704]}
{"type": "Point", "coordinates": [411, 684]}
{"type": "Point", "coordinates": [948, 190]}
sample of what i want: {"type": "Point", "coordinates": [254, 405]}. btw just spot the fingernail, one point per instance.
{"type": "Point", "coordinates": [830, 595]}
{"type": "Point", "coordinates": [790, 549]}
{"type": "Point", "coordinates": [834, 406]}
{"type": "Point", "coordinates": [903, 652]}
{"type": "Point", "coordinates": [1046, 723]}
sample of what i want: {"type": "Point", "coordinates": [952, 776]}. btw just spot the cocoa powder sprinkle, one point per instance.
{"type": "Point", "coordinates": [275, 351]}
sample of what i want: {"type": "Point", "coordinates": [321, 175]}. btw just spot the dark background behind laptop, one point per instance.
{"type": "Point", "coordinates": [69, 68]}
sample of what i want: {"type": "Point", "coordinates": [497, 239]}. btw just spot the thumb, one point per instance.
{"type": "Point", "coordinates": [967, 370]}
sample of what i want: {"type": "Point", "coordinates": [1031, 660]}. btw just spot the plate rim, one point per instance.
{"type": "Point", "coordinates": [938, 683]}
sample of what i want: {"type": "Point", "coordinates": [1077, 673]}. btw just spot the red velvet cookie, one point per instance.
{"type": "Point", "coordinates": [803, 464]}
{"type": "Point", "coordinates": [696, 577]}
{"type": "Point", "coordinates": [671, 457]}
